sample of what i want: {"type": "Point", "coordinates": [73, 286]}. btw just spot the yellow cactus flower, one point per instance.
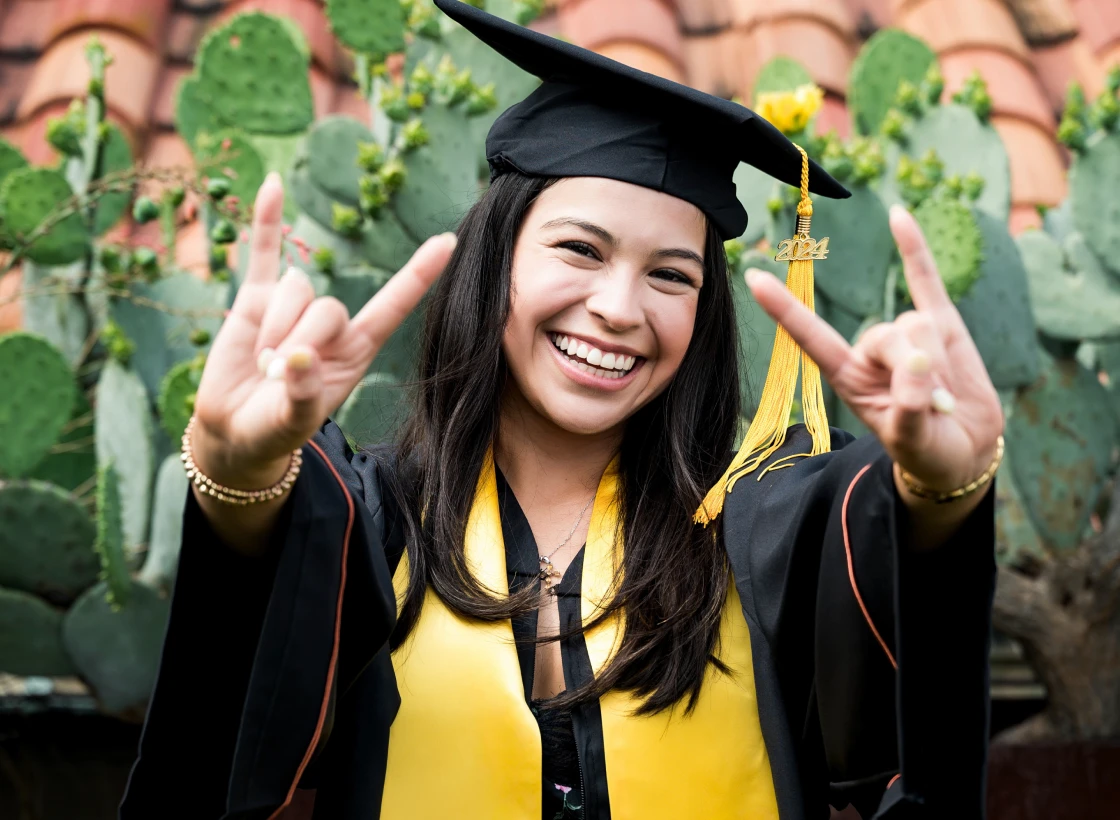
{"type": "Point", "coordinates": [790, 111]}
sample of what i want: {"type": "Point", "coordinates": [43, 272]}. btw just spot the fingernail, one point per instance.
{"type": "Point", "coordinates": [897, 210]}
{"type": "Point", "coordinates": [299, 360]}
{"type": "Point", "coordinates": [753, 275]}
{"type": "Point", "coordinates": [943, 401]}
{"type": "Point", "coordinates": [276, 369]}
{"type": "Point", "coordinates": [264, 358]}
{"type": "Point", "coordinates": [451, 238]}
{"type": "Point", "coordinates": [918, 363]}
{"type": "Point", "coordinates": [293, 271]}
{"type": "Point", "coordinates": [273, 178]}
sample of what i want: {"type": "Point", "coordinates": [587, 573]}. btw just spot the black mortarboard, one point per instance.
{"type": "Point", "coordinates": [593, 116]}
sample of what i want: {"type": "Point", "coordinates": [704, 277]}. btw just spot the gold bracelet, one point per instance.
{"type": "Point", "coordinates": [922, 491]}
{"type": "Point", "coordinates": [229, 495]}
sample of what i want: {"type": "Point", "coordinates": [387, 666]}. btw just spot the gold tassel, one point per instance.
{"type": "Point", "coordinates": [768, 427]}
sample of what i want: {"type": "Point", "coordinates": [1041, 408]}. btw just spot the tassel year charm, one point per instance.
{"type": "Point", "coordinates": [767, 431]}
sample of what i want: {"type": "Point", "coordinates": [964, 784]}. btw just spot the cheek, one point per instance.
{"type": "Point", "coordinates": [672, 325]}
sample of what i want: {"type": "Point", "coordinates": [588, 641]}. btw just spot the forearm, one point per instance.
{"type": "Point", "coordinates": [932, 524]}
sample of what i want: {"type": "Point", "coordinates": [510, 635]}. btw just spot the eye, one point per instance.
{"type": "Point", "coordinates": [582, 248]}
{"type": "Point", "coordinates": [670, 275]}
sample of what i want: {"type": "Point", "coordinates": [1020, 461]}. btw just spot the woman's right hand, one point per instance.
{"type": "Point", "coordinates": [284, 360]}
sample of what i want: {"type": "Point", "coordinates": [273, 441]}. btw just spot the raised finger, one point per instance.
{"type": "Point", "coordinates": [268, 213]}
{"type": "Point", "coordinates": [926, 288]}
{"type": "Point", "coordinates": [912, 384]}
{"type": "Point", "coordinates": [383, 314]}
{"type": "Point", "coordinates": [289, 299]}
{"type": "Point", "coordinates": [922, 332]}
{"type": "Point", "coordinates": [820, 340]}
{"type": "Point", "coordinates": [322, 322]}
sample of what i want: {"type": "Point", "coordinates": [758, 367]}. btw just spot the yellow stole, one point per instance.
{"type": "Point", "coordinates": [464, 743]}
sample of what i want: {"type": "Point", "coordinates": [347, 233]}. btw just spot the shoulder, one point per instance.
{"type": "Point", "coordinates": [365, 470]}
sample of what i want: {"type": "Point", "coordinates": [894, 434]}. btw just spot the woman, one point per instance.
{"type": "Point", "coordinates": [512, 613]}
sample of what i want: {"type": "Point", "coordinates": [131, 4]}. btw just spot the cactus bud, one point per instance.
{"type": "Point", "coordinates": [422, 79]}
{"type": "Point", "coordinates": [324, 259]}
{"type": "Point", "coordinates": [932, 166]}
{"type": "Point", "coordinates": [953, 186]}
{"type": "Point", "coordinates": [117, 343]}
{"type": "Point", "coordinates": [174, 196]}
{"type": "Point", "coordinates": [223, 232]}
{"type": "Point", "coordinates": [907, 98]}
{"type": "Point", "coordinates": [933, 84]}
{"type": "Point", "coordinates": [774, 205]}
{"type": "Point", "coordinates": [219, 257]}
{"type": "Point", "coordinates": [393, 104]}
{"type": "Point", "coordinates": [1112, 80]}
{"type": "Point", "coordinates": [974, 95]}
{"type": "Point", "coordinates": [1075, 101]}
{"type": "Point", "coordinates": [371, 156]}
{"type": "Point", "coordinates": [200, 336]}
{"type": "Point", "coordinates": [110, 258]}
{"type": "Point", "coordinates": [1071, 133]}
{"type": "Point", "coordinates": [63, 134]}
{"type": "Point", "coordinates": [1105, 111]}
{"type": "Point", "coordinates": [144, 210]}
{"type": "Point", "coordinates": [841, 167]}
{"type": "Point", "coordinates": [973, 185]}
{"type": "Point", "coordinates": [414, 134]}
{"type": "Point", "coordinates": [481, 100]}
{"type": "Point", "coordinates": [373, 194]}
{"type": "Point", "coordinates": [422, 19]}
{"type": "Point", "coordinates": [392, 175]}
{"type": "Point", "coordinates": [146, 260]}
{"type": "Point", "coordinates": [346, 220]}
{"type": "Point", "coordinates": [894, 126]}
{"type": "Point", "coordinates": [416, 101]}
{"type": "Point", "coordinates": [734, 249]}
{"type": "Point", "coordinates": [217, 187]}
{"type": "Point", "coordinates": [528, 11]}
{"type": "Point", "coordinates": [461, 87]}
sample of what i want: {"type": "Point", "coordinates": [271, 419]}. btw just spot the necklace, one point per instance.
{"type": "Point", "coordinates": [549, 574]}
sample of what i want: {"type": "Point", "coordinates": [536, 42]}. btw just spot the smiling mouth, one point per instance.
{"type": "Point", "coordinates": [592, 360]}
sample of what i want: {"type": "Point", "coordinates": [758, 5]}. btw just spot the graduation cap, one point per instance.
{"type": "Point", "coordinates": [593, 116]}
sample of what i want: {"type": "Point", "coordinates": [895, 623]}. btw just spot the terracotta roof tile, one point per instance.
{"type": "Point", "coordinates": [834, 116]}
{"type": "Point", "coordinates": [819, 47]}
{"type": "Point", "coordinates": [163, 98]}
{"type": "Point", "coordinates": [950, 24]}
{"type": "Point", "coordinates": [592, 23]}
{"type": "Point", "coordinates": [312, 20]}
{"type": "Point", "coordinates": [143, 19]}
{"type": "Point", "coordinates": [1038, 174]}
{"type": "Point", "coordinates": [833, 13]}
{"type": "Point", "coordinates": [876, 12]}
{"type": "Point", "coordinates": [1100, 22]}
{"type": "Point", "coordinates": [14, 75]}
{"type": "Point", "coordinates": [348, 101]}
{"type": "Point", "coordinates": [714, 63]}
{"type": "Point", "coordinates": [1044, 22]}
{"type": "Point", "coordinates": [1014, 87]}
{"type": "Point", "coordinates": [10, 313]}
{"type": "Point", "coordinates": [703, 16]}
{"type": "Point", "coordinates": [25, 25]}
{"type": "Point", "coordinates": [642, 57]}
{"type": "Point", "coordinates": [1071, 61]}
{"type": "Point", "coordinates": [183, 33]}
{"type": "Point", "coordinates": [62, 74]}
{"type": "Point", "coordinates": [1023, 218]}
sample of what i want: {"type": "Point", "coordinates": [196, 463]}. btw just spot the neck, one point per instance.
{"type": "Point", "coordinates": [545, 464]}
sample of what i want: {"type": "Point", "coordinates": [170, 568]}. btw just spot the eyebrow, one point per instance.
{"type": "Point", "coordinates": [608, 237]}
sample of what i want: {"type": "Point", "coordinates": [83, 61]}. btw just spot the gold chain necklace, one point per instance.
{"type": "Point", "coordinates": [548, 573]}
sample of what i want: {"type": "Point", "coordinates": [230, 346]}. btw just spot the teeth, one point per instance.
{"type": "Point", "coordinates": [564, 343]}
{"type": "Point", "coordinates": [582, 350]}
{"type": "Point", "coordinates": [593, 360]}
{"type": "Point", "coordinates": [594, 356]}
{"type": "Point", "coordinates": [607, 362]}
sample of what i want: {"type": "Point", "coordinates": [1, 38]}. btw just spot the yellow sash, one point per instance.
{"type": "Point", "coordinates": [465, 745]}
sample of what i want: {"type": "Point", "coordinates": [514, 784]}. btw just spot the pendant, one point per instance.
{"type": "Point", "coordinates": [549, 575]}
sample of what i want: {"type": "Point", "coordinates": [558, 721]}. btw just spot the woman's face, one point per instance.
{"type": "Point", "coordinates": [605, 283]}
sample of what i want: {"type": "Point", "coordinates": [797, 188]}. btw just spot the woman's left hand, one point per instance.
{"type": "Point", "coordinates": [918, 382]}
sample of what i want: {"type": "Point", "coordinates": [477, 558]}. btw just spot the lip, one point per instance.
{"type": "Point", "coordinates": [590, 379]}
{"type": "Point", "coordinates": [606, 347]}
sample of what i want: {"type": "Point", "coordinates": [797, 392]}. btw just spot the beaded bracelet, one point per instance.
{"type": "Point", "coordinates": [229, 495]}
{"type": "Point", "coordinates": [922, 491]}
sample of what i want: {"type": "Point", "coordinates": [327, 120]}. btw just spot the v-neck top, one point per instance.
{"type": "Point", "coordinates": [562, 787]}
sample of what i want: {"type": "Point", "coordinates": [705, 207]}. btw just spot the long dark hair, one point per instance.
{"type": "Point", "coordinates": [675, 574]}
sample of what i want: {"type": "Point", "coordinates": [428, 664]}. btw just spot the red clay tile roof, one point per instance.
{"type": "Point", "coordinates": [1027, 50]}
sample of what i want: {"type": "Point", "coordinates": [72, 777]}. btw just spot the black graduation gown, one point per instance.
{"type": "Point", "coordinates": [264, 658]}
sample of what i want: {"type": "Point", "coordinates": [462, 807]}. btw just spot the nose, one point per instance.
{"type": "Point", "coordinates": [615, 300]}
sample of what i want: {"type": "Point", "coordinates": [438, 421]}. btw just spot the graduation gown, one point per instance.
{"type": "Point", "coordinates": [870, 659]}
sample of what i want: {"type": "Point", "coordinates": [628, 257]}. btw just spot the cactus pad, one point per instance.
{"type": "Point", "coordinates": [46, 543]}
{"type": "Point", "coordinates": [123, 428]}
{"type": "Point", "coordinates": [1061, 432]}
{"type": "Point", "coordinates": [73, 463]}
{"type": "Point", "coordinates": [756, 330]}
{"type": "Point", "coordinates": [10, 159]}
{"type": "Point", "coordinates": [117, 651]}
{"type": "Point", "coordinates": [31, 640]}
{"type": "Point", "coordinates": [888, 58]}
{"type": "Point", "coordinates": [53, 307]}
{"type": "Point", "coordinates": [116, 156]}
{"type": "Point", "coordinates": [332, 156]}
{"type": "Point", "coordinates": [176, 397]}
{"type": "Point", "coordinates": [193, 115]}
{"type": "Point", "coordinates": [27, 198]}
{"type": "Point", "coordinates": [373, 411]}
{"type": "Point", "coordinates": [860, 250]}
{"type": "Point", "coordinates": [110, 536]}
{"type": "Point", "coordinates": [253, 75]}
{"type": "Point", "coordinates": [397, 357]}
{"type": "Point", "coordinates": [754, 189]}
{"type": "Point", "coordinates": [1092, 195]}
{"type": "Point", "coordinates": [1016, 537]}
{"type": "Point", "coordinates": [954, 238]}
{"type": "Point", "coordinates": [442, 177]}
{"type": "Point", "coordinates": [35, 402]}
{"type": "Point", "coordinates": [373, 27]}
{"type": "Point", "coordinates": [162, 561]}
{"type": "Point", "coordinates": [997, 310]}
{"type": "Point", "coordinates": [780, 74]}
{"type": "Point", "coordinates": [1071, 300]}
{"type": "Point", "coordinates": [244, 167]}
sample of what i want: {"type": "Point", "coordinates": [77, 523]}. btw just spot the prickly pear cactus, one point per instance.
{"type": "Point", "coordinates": [253, 75]}
{"type": "Point", "coordinates": [374, 27]}
{"type": "Point", "coordinates": [176, 396]}
{"type": "Point", "coordinates": [954, 238]}
{"type": "Point", "coordinates": [887, 59]}
{"type": "Point", "coordinates": [243, 167]}
{"type": "Point", "coordinates": [28, 197]}
{"type": "Point", "coordinates": [31, 640]}
{"type": "Point", "coordinates": [1092, 196]}
{"type": "Point", "coordinates": [46, 542]}
{"type": "Point", "coordinates": [332, 157]}
{"type": "Point", "coordinates": [780, 74]}
{"type": "Point", "coordinates": [1061, 432]}
{"type": "Point", "coordinates": [1071, 301]}
{"type": "Point", "coordinates": [860, 250]}
{"type": "Point", "coordinates": [162, 560]}
{"type": "Point", "coordinates": [54, 309]}
{"type": "Point", "coordinates": [35, 403]}
{"type": "Point", "coordinates": [371, 414]}
{"type": "Point", "coordinates": [1017, 539]}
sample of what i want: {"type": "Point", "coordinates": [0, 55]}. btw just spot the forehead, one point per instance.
{"type": "Point", "coordinates": [629, 212]}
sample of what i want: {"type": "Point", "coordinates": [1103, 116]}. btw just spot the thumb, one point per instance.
{"type": "Point", "coordinates": [912, 387]}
